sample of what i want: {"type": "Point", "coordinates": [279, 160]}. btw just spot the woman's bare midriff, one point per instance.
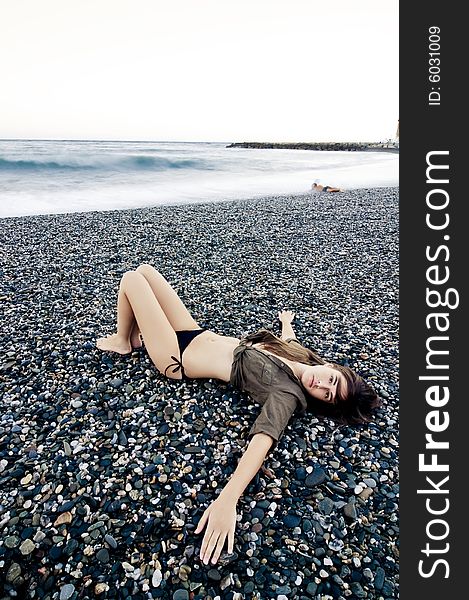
{"type": "Point", "coordinates": [210, 355]}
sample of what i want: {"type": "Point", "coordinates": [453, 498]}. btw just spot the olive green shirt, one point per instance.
{"type": "Point", "coordinates": [271, 383]}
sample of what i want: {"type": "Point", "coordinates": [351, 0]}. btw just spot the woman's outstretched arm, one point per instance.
{"type": "Point", "coordinates": [250, 463]}
{"type": "Point", "coordinates": [221, 514]}
{"type": "Point", "coordinates": [286, 317]}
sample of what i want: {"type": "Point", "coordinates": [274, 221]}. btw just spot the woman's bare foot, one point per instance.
{"type": "Point", "coordinates": [114, 343]}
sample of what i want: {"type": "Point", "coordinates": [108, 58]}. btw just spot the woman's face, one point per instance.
{"type": "Point", "coordinates": [324, 382]}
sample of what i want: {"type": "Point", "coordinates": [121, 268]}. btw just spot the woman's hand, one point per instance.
{"type": "Point", "coordinates": [286, 316]}
{"type": "Point", "coordinates": [221, 515]}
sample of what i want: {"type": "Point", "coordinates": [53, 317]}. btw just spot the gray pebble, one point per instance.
{"type": "Point", "coordinates": [326, 506]}
{"type": "Point", "coordinates": [27, 547]}
{"type": "Point", "coordinates": [111, 541]}
{"type": "Point", "coordinates": [67, 591]}
{"type": "Point", "coordinates": [379, 578]}
{"type": "Point", "coordinates": [317, 477]}
{"type": "Point", "coordinates": [350, 511]}
{"type": "Point", "coordinates": [103, 555]}
{"type": "Point", "coordinates": [13, 572]}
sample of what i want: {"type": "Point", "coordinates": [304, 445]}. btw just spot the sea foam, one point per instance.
{"type": "Point", "coordinates": [46, 177]}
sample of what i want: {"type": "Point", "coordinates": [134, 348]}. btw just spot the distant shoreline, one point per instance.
{"type": "Point", "coordinates": [338, 146]}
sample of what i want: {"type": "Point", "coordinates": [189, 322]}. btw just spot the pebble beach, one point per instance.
{"type": "Point", "coordinates": [106, 466]}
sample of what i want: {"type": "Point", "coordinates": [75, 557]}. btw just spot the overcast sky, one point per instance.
{"type": "Point", "coordinates": [199, 70]}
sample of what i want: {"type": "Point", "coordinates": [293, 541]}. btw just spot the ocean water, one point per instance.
{"type": "Point", "coordinates": [47, 177]}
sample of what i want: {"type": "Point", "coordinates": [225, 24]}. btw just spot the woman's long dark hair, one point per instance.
{"type": "Point", "coordinates": [355, 407]}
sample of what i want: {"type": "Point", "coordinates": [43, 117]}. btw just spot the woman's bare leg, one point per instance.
{"type": "Point", "coordinates": [137, 302]}
{"type": "Point", "coordinates": [172, 305]}
{"type": "Point", "coordinates": [120, 342]}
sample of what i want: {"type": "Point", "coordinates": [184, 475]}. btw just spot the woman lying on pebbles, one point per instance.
{"type": "Point", "coordinates": [278, 373]}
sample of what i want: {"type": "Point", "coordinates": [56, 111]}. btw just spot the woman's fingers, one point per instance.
{"type": "Point", "coordinates": [219, 548]}
{"type": "Point", "coordinates": [208, 545]}
{"type": "Point", "coordinates": [221, 515]}
{"type": "Point", "coordinates": [209, 539]}
{"type": "Point", "coordinates": [231, 541]}
{"type": "Point", "coordinates": [205, 542]}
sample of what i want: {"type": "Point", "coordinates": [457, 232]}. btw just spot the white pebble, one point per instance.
{"type": "Point", "coordinates": [26, 479]}
{"type": "Point", "coordinates": [323, 573]}
{"type": "Point", "coordinates": [157, 578]}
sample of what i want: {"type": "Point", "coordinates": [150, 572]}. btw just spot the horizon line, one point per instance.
{"type": "Point", "coordinates": [187, 141]}
{"type": "Point", "coordinates": [110, 140]}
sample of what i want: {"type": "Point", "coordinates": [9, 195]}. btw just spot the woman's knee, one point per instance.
{"type": "Point", "coordinates": [130, 277]}
{"type": "Point", "coordinates": [145, 268]}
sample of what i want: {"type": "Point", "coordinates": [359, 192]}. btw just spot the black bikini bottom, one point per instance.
{"type": "Point", "coordinates": [184, 337]}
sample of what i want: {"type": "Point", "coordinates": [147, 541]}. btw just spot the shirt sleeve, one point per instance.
{"type": "Point", "coordinates": [275, 415]}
